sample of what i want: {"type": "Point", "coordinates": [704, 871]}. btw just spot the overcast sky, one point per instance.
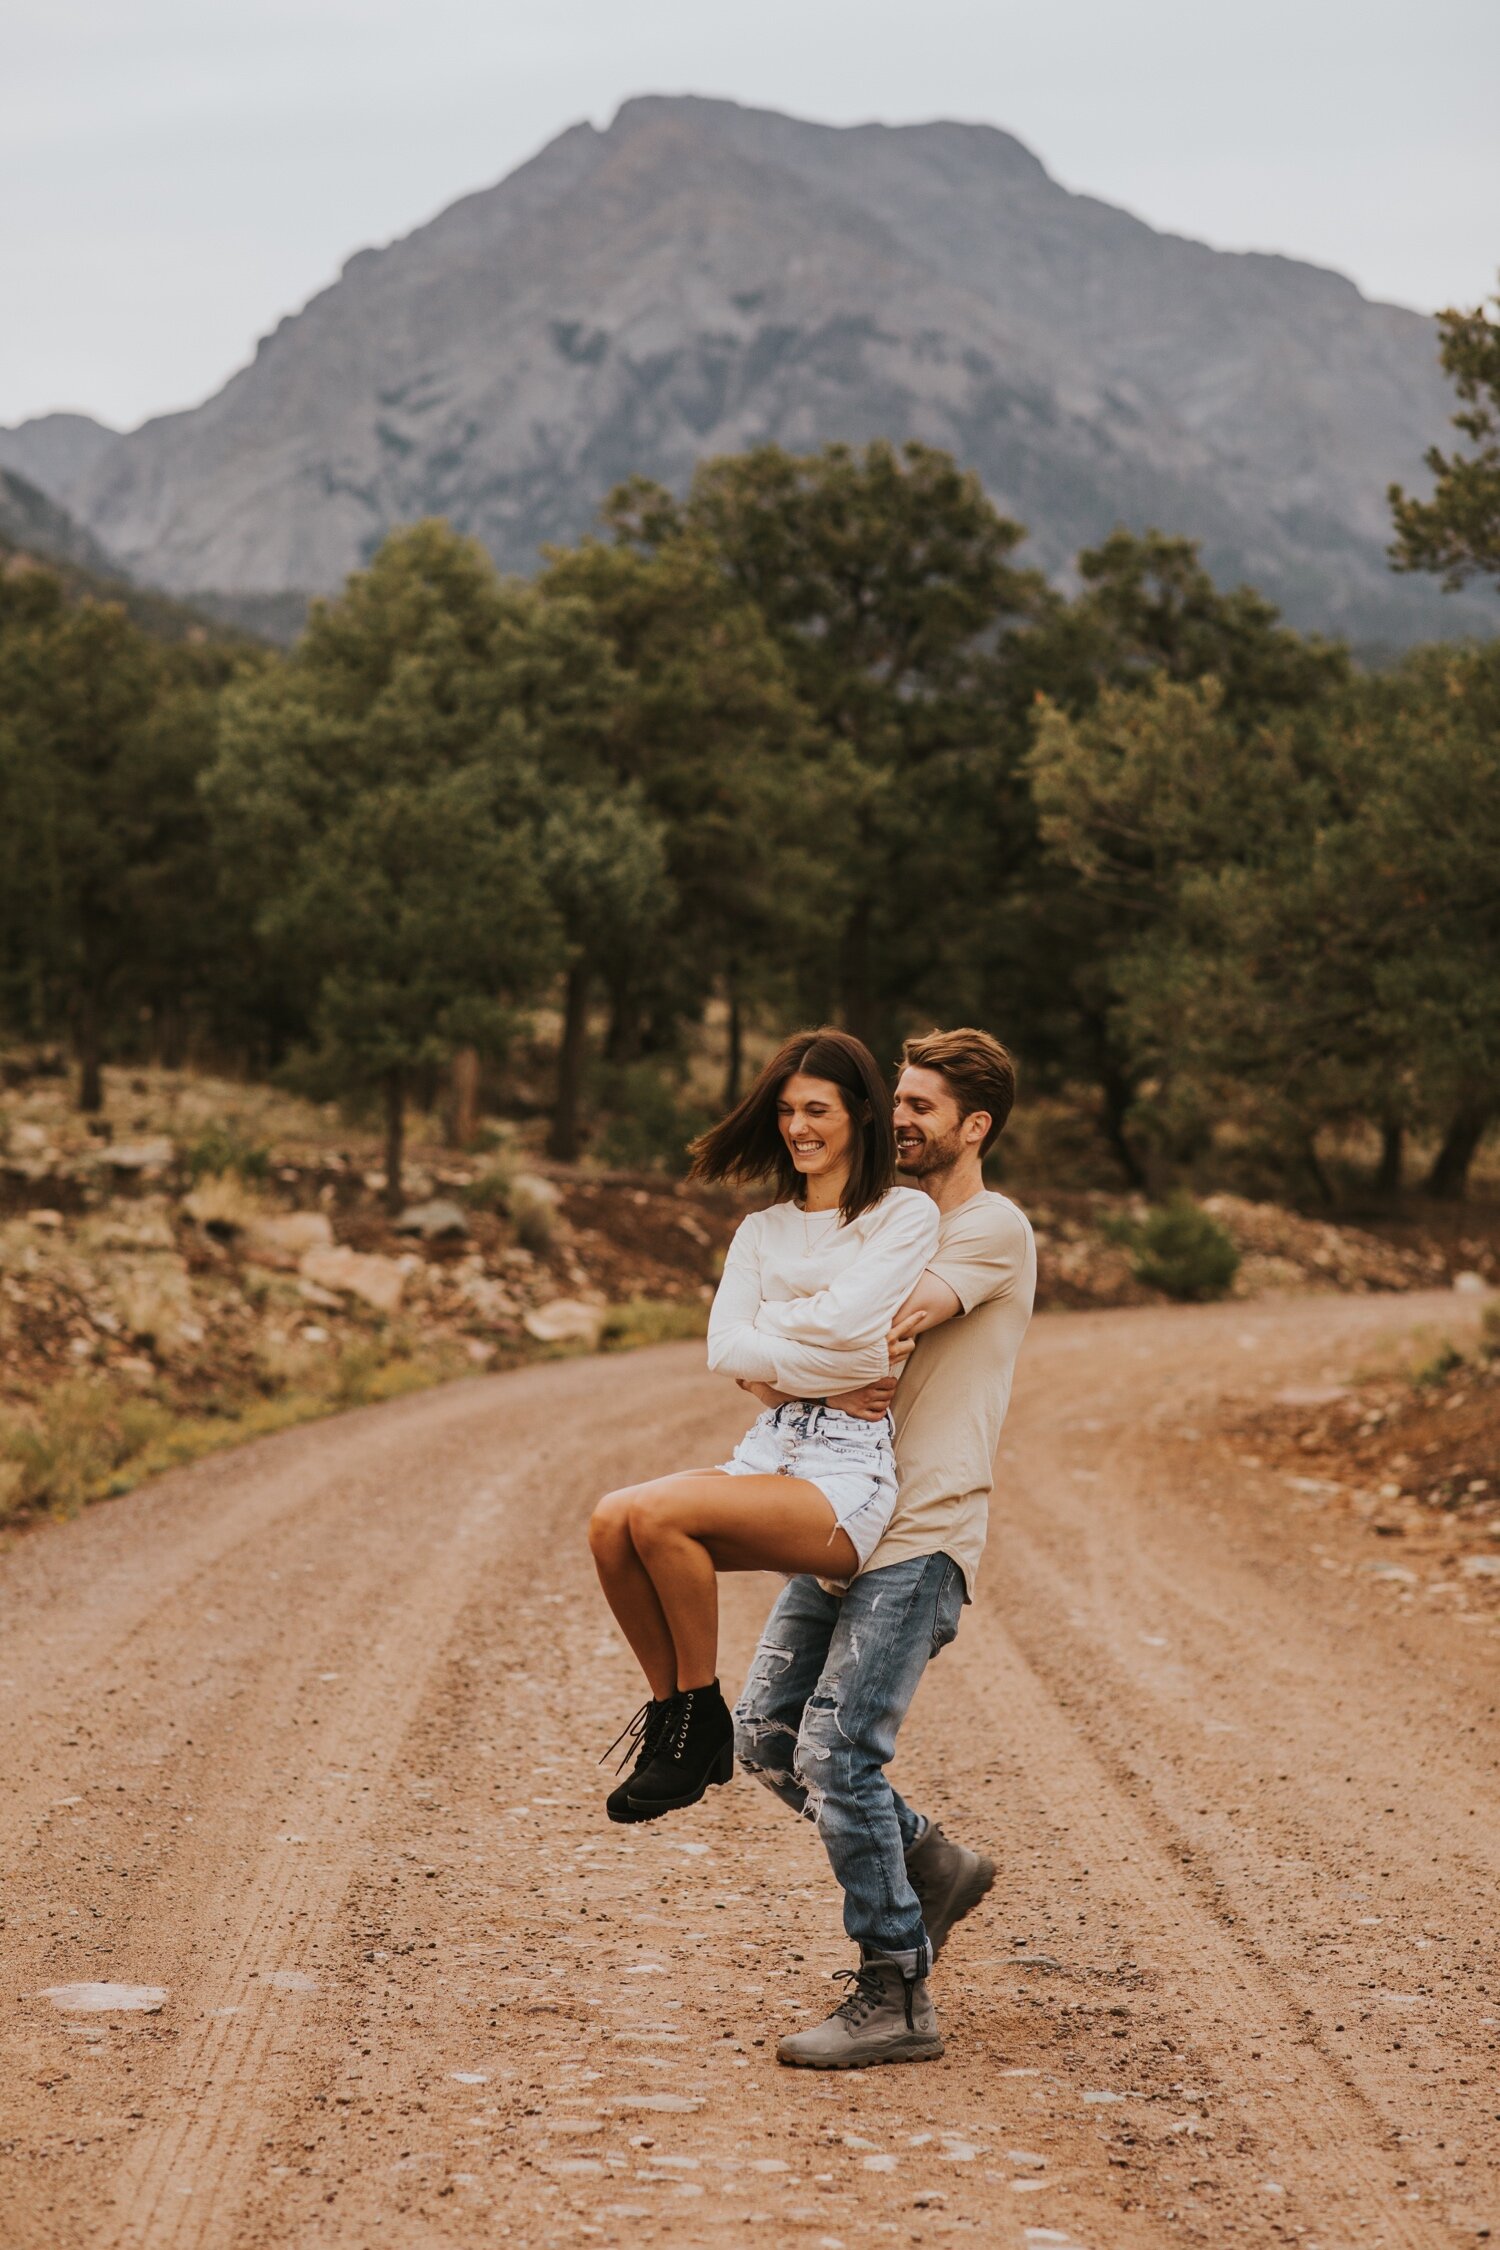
{"type": "Point", "coordinates": [177, 174]}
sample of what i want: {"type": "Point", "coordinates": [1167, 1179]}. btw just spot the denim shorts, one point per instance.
{"type": "Point", "coordinates": [852, 1463]}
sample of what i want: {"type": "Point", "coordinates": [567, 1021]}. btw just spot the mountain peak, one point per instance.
{"type": "Point", "coordinates": [700, 276]}
{"type": "Point", "coordinates": [774, 133]}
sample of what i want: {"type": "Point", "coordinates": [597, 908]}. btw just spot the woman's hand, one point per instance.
{"type": "Point", "coordinates": [902, 1340]}
{"type": "Point", "coordinates": [872, 1401]}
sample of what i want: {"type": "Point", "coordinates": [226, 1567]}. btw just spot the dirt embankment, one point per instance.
{"type": "Point", "coordinates": [302, 1743]}
{"type": "Point", "coordinates": [1408, 1451]}
{"type": "Point", "coordinates": [217, 1262]}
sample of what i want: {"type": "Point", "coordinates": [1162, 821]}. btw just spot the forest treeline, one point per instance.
{"type": "Point", "coordinates": [806, 743]}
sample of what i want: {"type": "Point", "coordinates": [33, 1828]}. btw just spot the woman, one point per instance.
{"type": "Point", "coordinates": [811, 1288]}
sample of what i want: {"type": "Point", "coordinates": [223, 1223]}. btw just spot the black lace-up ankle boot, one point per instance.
{"type": "Point", "coordinates": [696, 1749]}
{"type": "Point", "coordinates": [641, 1737]}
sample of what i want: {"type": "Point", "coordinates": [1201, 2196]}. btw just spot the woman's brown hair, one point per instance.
{"type": "Point", "coordinates": [747, 1144]}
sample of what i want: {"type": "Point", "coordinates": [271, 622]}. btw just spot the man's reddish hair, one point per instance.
{"type": "Point", "coordinates": [978, 1069]}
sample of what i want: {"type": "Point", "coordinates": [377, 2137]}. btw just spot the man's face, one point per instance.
{"type": "Point", "coordinates": [930, 1133]}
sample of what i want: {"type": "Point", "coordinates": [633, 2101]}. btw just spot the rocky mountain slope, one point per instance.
{"type": "Point", "coordinates": [701, 277]}
{"type": "Point", "coordinates": [56, 451]}
{"type": "Point", "coordinates": [38, 532]}
{"type": "Point", "coordinates": [32, 524]}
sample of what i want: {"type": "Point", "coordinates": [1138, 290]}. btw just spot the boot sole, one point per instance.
{"type": "Point", "coordinates": [650, 1808]}
{"type": "Point", "coordinates": [966, 1897]}
{"type": "Point", "coordinates": [926, 2050]}
{"type": "Point", "coordinates": [626, 1817]}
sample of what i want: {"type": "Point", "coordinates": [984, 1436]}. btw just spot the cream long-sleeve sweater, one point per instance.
{"type": "Point", "coordinates": [806, 1302]}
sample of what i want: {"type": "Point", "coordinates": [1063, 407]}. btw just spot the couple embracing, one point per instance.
{"type": "Point", "coordinates": [874, 1310]}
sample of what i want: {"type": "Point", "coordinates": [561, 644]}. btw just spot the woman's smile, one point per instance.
{"type": "Point", "coordinates": [817, 1129]}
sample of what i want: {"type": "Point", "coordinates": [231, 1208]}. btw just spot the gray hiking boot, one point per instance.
{"type": "Point", "coordinates": [885, 2017]}
{"type": "Point", "coordinates": [949, 1881]}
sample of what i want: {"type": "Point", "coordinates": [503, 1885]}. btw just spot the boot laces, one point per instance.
{"type": "Point", "coordinates": [866, 1993]}
{"type": "Point", "coordinates": [678, 1723]}
{"type": "Point", "coordinates": [637, 1735]}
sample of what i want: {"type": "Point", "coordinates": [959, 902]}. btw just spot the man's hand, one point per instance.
{"type": "Point", "coordinates": [872, 1401]}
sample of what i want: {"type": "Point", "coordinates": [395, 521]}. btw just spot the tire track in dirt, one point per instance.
{"type": "Point", "coordinates": [225, 2063]}
{"type": "Point", "coordinates": [1243, 1753]}
{"type": "Point", "coordinates": [385, 1619]}
{"type": "Point", "coordinates": [1214, 1990]}
{"type": "Point", "coordinates": [382, 1636]}
{"type": "Point", "coordinates": [212, 2140]}
{"type": "Point", "coordinates": [609, 2106]}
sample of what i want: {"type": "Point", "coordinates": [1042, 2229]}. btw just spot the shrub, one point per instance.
{"type": "Point", "coordinates": [65, 1449]}
{"type": "Point", "coordinates": [533, 1214]}
{"type": "Point", "coordinates": [493, 1188]}
{"type": "Point", "coordinates": [1182, 1250]}
{"type": "Point", "coordinates": [652, 1320]}
{"type": "Point", "coordinates": [648, 1123]}
{"type": "Point", "coordinates": [1430, 1373]}
{"type": "Point", "coordinates": [223, 1204]}
{"type": "Point", "coordinates": [222, 1148]}
{"type": "Point", "coordinates": [1121, 1227]}
{"type": "Point", "coordinates": [356, 1372]}
{"type": "Point", "coordinates": [526, 1199]}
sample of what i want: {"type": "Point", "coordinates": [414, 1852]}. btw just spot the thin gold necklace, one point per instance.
{"type": "Point", "coordinates": [807, 1217]}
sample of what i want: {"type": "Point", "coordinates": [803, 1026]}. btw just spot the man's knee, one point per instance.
{"type": "Point", "coordinates": [814, 1753]}
{"type": "Point", "coordinates": [763, 1744]}
{"type": "Point", "coordinates": [765, 1749]}
{"type": "Point", "coordinates": [832, 1764]}
{"type": "Point", "coordinates": [766, 1719]}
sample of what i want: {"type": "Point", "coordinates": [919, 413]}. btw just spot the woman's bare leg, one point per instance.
{"type": "Point", "coordinates": [685, 1529]}
{"type": "Point", "coordinates": [629, 1591]}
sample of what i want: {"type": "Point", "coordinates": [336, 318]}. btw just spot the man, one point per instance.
{"type": "Point", "coordinates": [837, 1667]}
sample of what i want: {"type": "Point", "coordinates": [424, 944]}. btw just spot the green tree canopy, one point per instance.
{"type": "Point", "coordinates": [380, 786]}
{"type": "Point", "coordinates": [1040, 953]}
{"type": "Point", "coordinates": [1305, 922]}
{"type": "Point", "coordinates": [885, 576]}
{"type": "Point", "coordinates": [1456, 532]}
{"type": "Point", "coordinates": [106, 877]}
{"type": "Point", "coordinates": [704, 724]}
{"type": "Point", "coordinates": [1147, 609]}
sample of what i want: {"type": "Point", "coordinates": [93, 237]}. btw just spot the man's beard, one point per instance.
{"type": "Point", "coordinates": [938, 1155]}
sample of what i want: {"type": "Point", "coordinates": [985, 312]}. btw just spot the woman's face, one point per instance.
{"type": "Point", "coordinates": [817, 1129]}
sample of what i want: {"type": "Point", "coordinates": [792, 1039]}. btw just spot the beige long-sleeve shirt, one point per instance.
{"type": "Point", "coordinates": [806, 1302]}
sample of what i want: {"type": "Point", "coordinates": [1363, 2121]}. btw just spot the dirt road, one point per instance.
{"type": "Point", "coordinates": [302, 1740]}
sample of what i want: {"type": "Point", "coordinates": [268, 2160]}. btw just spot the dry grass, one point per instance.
{"type": "Point", "coordinates": [652, 1320]}
{"type": "Point", "coordinates": [93, 1438]}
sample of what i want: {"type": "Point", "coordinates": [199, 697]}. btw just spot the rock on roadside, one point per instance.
{"type": "Point", "coordinates": [567, 1320]}
{"type": "Point", "coordinates": [152, 1155]}
{"type": "Point", "coordinates": [376, 1281]}
{"type": "Point", "coordinates": [280, 1239]}
{"type": "Point", "coordinates": [434, 1221]}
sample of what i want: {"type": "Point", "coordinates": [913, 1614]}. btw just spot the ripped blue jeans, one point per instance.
{"type": "Point", "coordinates": [832, 1681]}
